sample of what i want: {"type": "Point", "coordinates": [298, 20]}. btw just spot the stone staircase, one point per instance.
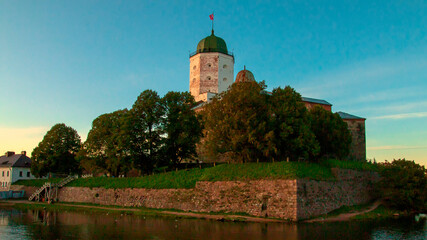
{"type": "Point", "coordinates": [49, 189]}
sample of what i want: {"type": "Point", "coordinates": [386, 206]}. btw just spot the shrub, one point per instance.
{"type": "Point", "coordinates": [404, 185]}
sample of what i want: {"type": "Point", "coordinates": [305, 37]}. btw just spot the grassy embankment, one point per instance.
{"type": "Point", "coordinates": [91, 208]}
{"type": "Point", "coordinates": [223, 172]}
{"type": "Point", "coordinates": [136, 211]}
{"type": "Point", "coordinates": [381, 212]}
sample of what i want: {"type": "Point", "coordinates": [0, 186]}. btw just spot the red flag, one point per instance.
{"type": "Point", "coordinates": [211, 16]}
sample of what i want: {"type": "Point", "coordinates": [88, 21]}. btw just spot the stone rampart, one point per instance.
{"type": "Point", "coordinates": [286, 199]}
{"type": "Point", "coordinates": [320, 197]}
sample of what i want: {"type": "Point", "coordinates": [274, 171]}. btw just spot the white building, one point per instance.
{"type": "Point", "coordinates": [14, 167]}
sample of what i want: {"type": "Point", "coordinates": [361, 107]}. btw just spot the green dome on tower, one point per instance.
{"type": "Point", "coordinates": [212, 43]}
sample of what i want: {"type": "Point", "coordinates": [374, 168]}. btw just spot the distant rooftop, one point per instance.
{"type": "Point", "coordinates": [314, 100]}
{"type": "Point", "coordinates": [344, 115]}
{"type": "Point", "coordinates": [14, 160]}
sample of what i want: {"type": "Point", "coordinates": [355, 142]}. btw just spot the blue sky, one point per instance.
{"type": "Point", "coordinates": [71, 61]}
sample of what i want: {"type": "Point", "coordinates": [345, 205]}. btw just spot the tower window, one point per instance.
{"type": "Point", "coordinates": [225, 66]}
{"type": "Point", "coordinates": [224, 79]}
{"type": "Point", "coordinates": [194, 67]}
{"type": "Point", "coordinates": [209, 78]}
{"type": "Point", "coordinates": [194, 79]}
{"type": "Point", "coordinates": [209, 65]}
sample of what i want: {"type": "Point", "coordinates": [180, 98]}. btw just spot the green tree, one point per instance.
{"type": "Point", "coordinates": [331, 132]}
{"type": "Point", "coordinates": [237, 124]}
{"type": "Point", "coordinates": [105, 148]}
{"type": "Point", "coordinates": [143, 126]}
{"type": "Point", "coordinates": [182, 128]}
{"type": "Point", "coordinates": [403, 185]}
{"type": "Point", "coordinates": [291, 125]}
{"type": "Point", "coordinates": [56, 152]}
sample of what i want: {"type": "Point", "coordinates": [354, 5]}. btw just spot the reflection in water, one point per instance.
{"type": "Point", "coordinates": [42, 224]}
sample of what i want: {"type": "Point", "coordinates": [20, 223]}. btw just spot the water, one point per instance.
{"type": "Point", "coordinates": [41, 224]}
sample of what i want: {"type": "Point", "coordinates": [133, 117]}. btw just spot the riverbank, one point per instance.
{"type": "Point", "coordinates": [361, 212]}
{"type": "Point", "coordinates": [83, 224]}
{"type": "Point", "coordinates": [170, 213]}
{"type": "Point", "coordinates": [347, 214]}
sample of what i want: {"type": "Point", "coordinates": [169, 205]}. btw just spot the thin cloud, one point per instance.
{"type": "Point", "coordinates": [403, 116]}
{"type": "Point", "coordinates": [392, 108]}
{"type": "Point", "coordinates": [343, 79]}
{"type": "Point", "coordinates": [389, 95]}
{"type": "Point", "coordinates": [395, 147]}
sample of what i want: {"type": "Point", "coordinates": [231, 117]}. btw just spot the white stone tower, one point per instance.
{"type": "Point", "coordinates": [211, 68]}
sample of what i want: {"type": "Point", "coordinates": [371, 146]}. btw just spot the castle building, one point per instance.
{"type": "Point", "coordinates": [211, 68]}
{"type": "Point", "coordinates": [212, 72]}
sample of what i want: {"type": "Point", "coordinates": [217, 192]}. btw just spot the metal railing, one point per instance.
{"type": "Point", "coordinates": [38, 191]}
{"type": "Point", "coordinates": [49, 185]}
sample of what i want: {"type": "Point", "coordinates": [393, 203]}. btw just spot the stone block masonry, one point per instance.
{"type": "Point", "coordinates": [319, 197]}
{"type": "Point", "coordinates": [358, 138]}
{"type": "Point", "coordinates": [286, 199]}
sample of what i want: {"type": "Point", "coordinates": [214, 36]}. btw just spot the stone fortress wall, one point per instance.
{"type": "Point", "coordinates": [286, 199]}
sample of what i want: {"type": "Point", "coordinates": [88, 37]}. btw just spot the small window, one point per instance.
{"type": "Point", "coordinates": [2, 174]}
{"type": "Point", "coordinates": [194, 79]}
{"type": "Point", "coordinates": [224, 79]}
{"type": "Point", "coordinates": [28, 174]}
{"type": "Point", "coordinates": [225, 66]}
{"type": "Point", "coordinates": [209, 78]}
{"type": "Point", "coordinates": [8, 173]}
{"type": "Point", "coordinates": [20, 173]}
{"type": "Point", "coordinates": [209, 65]}
{"type": "Point", "coordinates": [194, 67]}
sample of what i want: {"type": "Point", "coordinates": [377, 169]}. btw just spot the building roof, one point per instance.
{"type": "Point", "coordinates": [344, 115]}
{"type": "Point", "coordinates": [212, 43]}
{"type": "Point", "coordinates": [314, 100]}
{"type": "Point", "coordinates": [16, 160]}
{"type": "Point", "coordinates": [245, 76]}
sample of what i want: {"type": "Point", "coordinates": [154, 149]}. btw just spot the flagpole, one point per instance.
{"type": "Point", "coordinates": [213, 17]}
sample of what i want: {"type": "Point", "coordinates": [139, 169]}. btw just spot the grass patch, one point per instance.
{"type": "Point", "coordinates": [381, 212]}
{"type": "Point", "coordinates": [345, 209]}
{"type": "Point", "coordinates": [223, 172]}
{"type": "Point", "coordinates": [76, 208]}
{"type": "Point", "coordinates": [118, 210]}
{"type": "Point", "coordinates": [179, 179]}
{"type": "Point", "coordinates": [355, 165]}
{"type": "Point", "coordinates": [279, 170]}
{"type": "Point", "coordinates": [36, 182]}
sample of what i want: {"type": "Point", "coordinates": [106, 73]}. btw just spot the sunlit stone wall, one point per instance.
{"type": "Point", "coordinates": [286, 199]}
